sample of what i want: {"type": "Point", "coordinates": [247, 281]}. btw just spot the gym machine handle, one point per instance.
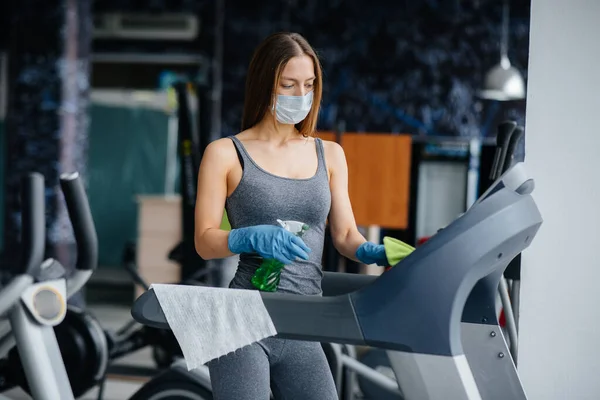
{"type": "Point", "coordinates": [84, 230]}
{"type": "Point", "coordinates": [512, 147]}
{"type": "Point", "coordinates": [505, 131]}
{"type": "Point", "coordinates": [33, 211]}
{"type": "Point", "coordinates": [81, 219]}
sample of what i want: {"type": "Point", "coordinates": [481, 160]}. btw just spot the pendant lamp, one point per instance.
{"type": "Point", "coordinates": [503, 82]}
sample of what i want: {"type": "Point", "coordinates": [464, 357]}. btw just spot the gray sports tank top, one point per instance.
{"type": "Point", "coordinates": [261, 198]}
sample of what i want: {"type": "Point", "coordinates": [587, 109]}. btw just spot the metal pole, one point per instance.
{"type": "Point", "coordinates": [3, 84]}
{"type": "Point", "coordinates": [371, 374]}
{"type": "Point", "coordinates": [510, 318]}
{"type": "Point", "coordinates": [217, 75]}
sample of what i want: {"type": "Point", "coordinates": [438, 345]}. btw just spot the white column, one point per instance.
{"type": "Point", "coordinates": [559, 349]}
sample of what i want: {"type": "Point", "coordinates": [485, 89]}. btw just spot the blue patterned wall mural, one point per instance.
{"type": "Point", "coordinates": [46, 120]}
{"type": "Point", "coordinates": [410, 67]}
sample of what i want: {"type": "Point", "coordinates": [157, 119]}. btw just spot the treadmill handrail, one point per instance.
{"type": "Point", "coordinates": [147, 311]}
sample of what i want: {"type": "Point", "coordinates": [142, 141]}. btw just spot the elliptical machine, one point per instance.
{"type": "Point", "coordinates": [35, 301]}
{"type": "Point", "coordinates": [35, 305]}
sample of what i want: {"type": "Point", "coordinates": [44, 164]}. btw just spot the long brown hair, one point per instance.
{"type": "Point", "coordinates": [264, 72]}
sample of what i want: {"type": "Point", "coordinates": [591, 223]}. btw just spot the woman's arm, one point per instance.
{"type": "Point", "coordinates": [345, 234]}
{"type": "Point", "coordinates": [211, 241]}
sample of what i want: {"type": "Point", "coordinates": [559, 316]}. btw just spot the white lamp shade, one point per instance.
{"type": "Point", "coordinates": [503, 83]}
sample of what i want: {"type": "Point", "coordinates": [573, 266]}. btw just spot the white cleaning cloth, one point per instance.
{"type": "Point", "coordinates": [210, 322]}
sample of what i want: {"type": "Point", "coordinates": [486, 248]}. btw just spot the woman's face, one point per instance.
{"type": "Point", "coordinates": [298, 76]}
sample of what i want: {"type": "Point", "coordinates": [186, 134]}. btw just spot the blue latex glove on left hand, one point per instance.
{"type": "Point", "coordinates": [371, 253]}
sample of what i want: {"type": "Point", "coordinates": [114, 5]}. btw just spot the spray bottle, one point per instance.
{"type": "Point", "coordinates": [267, 276]}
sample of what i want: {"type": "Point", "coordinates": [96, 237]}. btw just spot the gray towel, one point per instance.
{"type": "Point", "coordinates": [211, 322]}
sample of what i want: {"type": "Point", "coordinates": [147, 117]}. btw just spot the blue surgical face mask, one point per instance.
{"type": "Point", "coordinates": [293, 109]}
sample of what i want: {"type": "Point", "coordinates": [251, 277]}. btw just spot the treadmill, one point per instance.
{"type": "Point", "coordinates": [434, 313]}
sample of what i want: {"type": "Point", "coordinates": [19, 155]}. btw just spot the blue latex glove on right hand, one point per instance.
{"type": "Point", "coordinates": [269, 241]}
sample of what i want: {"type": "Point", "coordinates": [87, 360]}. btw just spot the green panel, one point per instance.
{"type": "Point", "coordinates": [127, 157]}
{"type": "Point", "coordinates": [2, 158]}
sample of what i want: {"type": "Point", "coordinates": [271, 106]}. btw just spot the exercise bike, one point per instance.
{"type": "Point", "coordinates": [35, 305]}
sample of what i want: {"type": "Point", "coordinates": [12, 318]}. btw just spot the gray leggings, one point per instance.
{"type": "Point", "coordinates": [291, 369]}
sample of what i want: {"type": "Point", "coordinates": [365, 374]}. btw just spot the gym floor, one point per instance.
{"type": "Point", "coordinates": [111, 317]}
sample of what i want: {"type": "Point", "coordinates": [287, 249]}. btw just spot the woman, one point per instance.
{"type": "Point", "coordinates": [276, 169]}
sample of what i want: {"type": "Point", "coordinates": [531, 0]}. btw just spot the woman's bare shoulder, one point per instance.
{"type": "Point", "coordinates": [221, 151]}
{"type": "Point", "coordinates": [222, 145]}
{"type": "Point", "coordinates": [333, 150]}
